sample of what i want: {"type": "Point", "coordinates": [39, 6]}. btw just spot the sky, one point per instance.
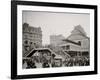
{"type": "Point", "coordinates": [54, 23]}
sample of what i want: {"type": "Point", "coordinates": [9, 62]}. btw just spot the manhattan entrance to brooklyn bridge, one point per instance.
{"type": "Point", "coordinates": [51, 39]}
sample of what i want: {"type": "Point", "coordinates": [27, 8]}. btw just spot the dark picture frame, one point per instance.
{"type": "Point", "coordinates": [14, 39]}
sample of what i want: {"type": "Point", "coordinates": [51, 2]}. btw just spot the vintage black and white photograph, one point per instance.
{"type": "Point", "coordinates": [55, 39]}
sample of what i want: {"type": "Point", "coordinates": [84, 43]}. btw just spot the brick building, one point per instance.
{"type": "Point", "coordinates": [32, 38]}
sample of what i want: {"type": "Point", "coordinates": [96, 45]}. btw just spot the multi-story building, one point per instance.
{"type": "Point", "coordinates": [32, 38]}
{"type": "Point", "coordinates": [56, 40]}
{"type": "Point", "coordinates": [77, 44]}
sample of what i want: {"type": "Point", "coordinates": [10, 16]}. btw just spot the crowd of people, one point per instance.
{"type": "Point", "coordinates": [28, 63]}
{"type": "Point", "coordinates": [81, 61]}
{"type": "Point", "coordinates": [76, 61]}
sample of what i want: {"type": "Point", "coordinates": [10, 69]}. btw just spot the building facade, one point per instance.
{"type": "Point", "coordinates": [32, 38]}
{"type": "Point", "coordinates": [56, 40]}
{"type": "Point", "coordinates": [77, 44]}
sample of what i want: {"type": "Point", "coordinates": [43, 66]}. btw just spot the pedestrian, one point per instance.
{"type": "Point", "coordinates": [45, 64]}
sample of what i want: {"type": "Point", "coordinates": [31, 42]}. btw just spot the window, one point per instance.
{"type": "Point", "coordinates": [30, 42]}
{"type": "Point", "coordinates": [26, 42]}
